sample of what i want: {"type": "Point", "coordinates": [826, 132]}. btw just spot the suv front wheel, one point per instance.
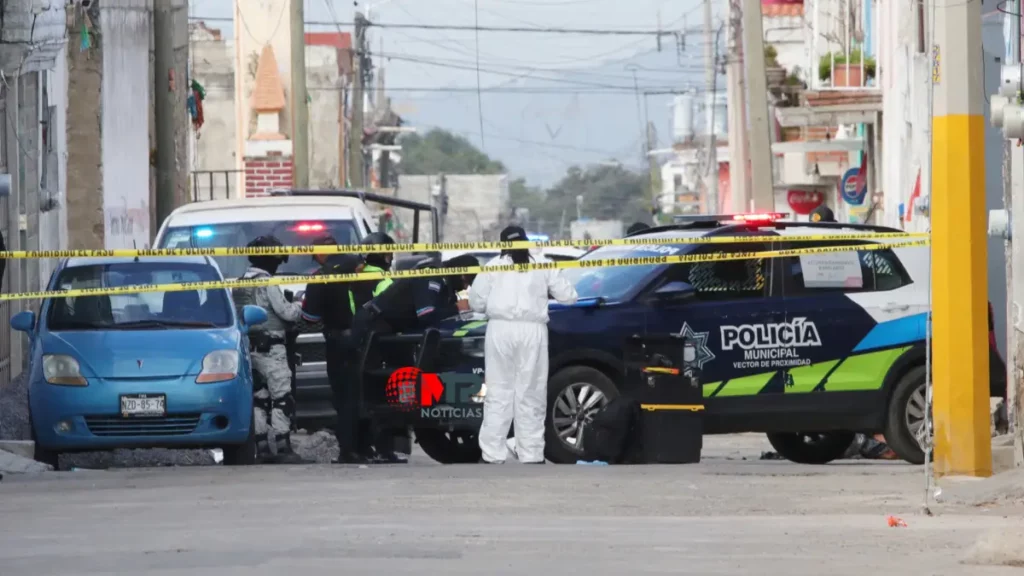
{"type": "Point", "coordinates": [905, 418]}
{"type": "Point", "coordinates": [575, 394]}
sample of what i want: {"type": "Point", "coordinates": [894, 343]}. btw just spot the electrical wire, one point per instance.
{"type": "Point", "coordinates": [479, 97]}
{"type": "Point", "coordinates": [241, 18]}
{"type": "Point", "coordinates": [465, 28]}
{"type": "Point", "coordinates": [468, 66]}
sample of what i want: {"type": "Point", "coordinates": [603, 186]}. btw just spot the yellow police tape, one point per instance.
{"type": "Point", "coordinates": [433, 272]}
{"type": "Point", "coordinates": [441, 246]}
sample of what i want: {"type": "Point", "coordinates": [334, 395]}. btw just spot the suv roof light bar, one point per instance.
{"type": "Point", "coordinates": [751, 218]}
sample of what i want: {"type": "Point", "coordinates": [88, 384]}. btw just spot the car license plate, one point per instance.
{"type": "Point", "coordinates": [146, 405]}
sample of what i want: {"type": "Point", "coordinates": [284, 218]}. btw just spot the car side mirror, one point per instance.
{"type": "Point", "coordinates": [674, 292]}
{"type": "Point", "coordinates": [24, 321]}
{"type": "Point", "coordinates": [253, 315]}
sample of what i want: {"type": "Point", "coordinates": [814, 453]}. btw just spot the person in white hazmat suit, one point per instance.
{"type": "Point", "coordinates": [516, 350]}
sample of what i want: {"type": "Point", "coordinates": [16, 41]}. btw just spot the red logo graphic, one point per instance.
{"type": "Point", "coordinates": [411, 388]}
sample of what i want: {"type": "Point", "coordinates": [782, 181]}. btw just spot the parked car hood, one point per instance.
{"type": "Point", "coordinates": [140, 353]}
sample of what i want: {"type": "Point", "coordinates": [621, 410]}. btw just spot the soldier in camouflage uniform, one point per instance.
{"type": "Point", "coordinates": [273, 403]}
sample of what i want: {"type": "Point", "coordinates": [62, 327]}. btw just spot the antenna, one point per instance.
{"type": "Point", "coordinates": [135, 246]}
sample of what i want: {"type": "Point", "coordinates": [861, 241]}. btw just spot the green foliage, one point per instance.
{"type": "Point", "coordinates": [825, 64]}
{"type": "Point", "coordinates": [609, 191]}
{"type": "Point", "coordinates": [440, 151]}
{"type": "Point", "coordinates": [771, 56]}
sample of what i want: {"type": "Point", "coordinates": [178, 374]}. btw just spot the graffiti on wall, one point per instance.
{"type": "Point", "coordinates": [127, 226]}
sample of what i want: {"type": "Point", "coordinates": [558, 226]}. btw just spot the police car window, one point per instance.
{"type": "Point", "coordinates": [852, 271]}
{"type": "Point", "coordinates": [725, 279]}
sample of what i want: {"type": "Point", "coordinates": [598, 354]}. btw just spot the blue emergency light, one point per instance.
{"type": "Point", "coordinates": [537, 237]}
{"type": "Point", "coordinates": [204, 232]}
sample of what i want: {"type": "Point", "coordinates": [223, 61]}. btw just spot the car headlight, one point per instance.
{"type": "Point", "coordinates": [62, 370]}
{"type": "Point", "coordinates": [218, 366]}
{"type": "Point", "coordinates": [473, 347]}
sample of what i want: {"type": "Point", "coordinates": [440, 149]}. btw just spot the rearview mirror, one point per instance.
{"type": "Point", "coordinates": [677, 290]}
{"type": "Point", "coordinates": [253, 315]}
{"type": "Point", "coordinates": [24, 321]}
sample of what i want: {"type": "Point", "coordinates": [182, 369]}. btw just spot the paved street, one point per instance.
{"type": "Point", "coordinates": [723, 516]}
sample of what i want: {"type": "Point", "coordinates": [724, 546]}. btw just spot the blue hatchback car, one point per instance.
{"type": "Point", "coordinates": [143, 370]}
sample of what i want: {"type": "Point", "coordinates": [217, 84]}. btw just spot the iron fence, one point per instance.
{"type": "Point", "coordinates": [214, 184]}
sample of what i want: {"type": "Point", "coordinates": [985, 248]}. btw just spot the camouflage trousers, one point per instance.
{"type": "Point", "coordinates": [273, 403]}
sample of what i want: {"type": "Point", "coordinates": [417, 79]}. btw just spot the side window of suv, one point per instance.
{"type": "Point", "coordinates": [849, 271]}
{"type": "Point", "coordinates": [724, 279]}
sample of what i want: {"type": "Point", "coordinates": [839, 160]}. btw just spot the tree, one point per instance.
{"type": "Point", "coordinates": [440, 151]}
{"type": "Point", "coordinates": [610, 192]}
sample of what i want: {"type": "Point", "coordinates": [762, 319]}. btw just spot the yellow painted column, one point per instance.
{"type": "Point", "coordinates": [960, 372]}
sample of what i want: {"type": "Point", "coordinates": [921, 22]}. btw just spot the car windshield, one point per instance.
{"type": "Point", "coordinates": [238, 234]}
{"type": "Point", "coordinates": [615, 281]}
{"type": "Point", "coordinates": [139, 311]}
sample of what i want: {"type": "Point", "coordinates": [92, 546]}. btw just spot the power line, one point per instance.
{"type": "Point", "coordinates": [479, 97]}
{"type": "Point", "coordinates": [466, 28]}
{"type": "Point", "coordinates": [647, 91]}
{"type": "Point", "coordinates": [468, 66]}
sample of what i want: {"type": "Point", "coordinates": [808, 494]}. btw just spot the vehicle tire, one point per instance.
{"type": "Point", "coordinates": [449, 447]}
{"type": "Point", "coordinates": [811, 447]}
{"type": "Point", "coordinates": [40, 454]}
{"type": "Point", "coordinates": [242, 454]}
{"type": "Point", "coordinates": [905, 416]}
{"type": "Point", "coordinates": [567, 390]}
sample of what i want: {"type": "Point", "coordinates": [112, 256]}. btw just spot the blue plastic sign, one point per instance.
{"type": "Point", "coordinates": [853, 188]}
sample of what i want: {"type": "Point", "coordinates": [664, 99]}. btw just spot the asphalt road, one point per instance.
{"type": "Point", "coordinates": [723, 516]}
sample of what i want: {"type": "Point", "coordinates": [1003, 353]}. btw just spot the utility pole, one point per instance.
{"type": "Point", "coordinates": [300, 108]}
{"type": "Point", "coordinates": [739, 157]}
{"type": "Point", "coordinates": [762, 181]}
{"type": "Point", "coordinates": [960, 367]}
{"type": "Point", "coordinates": [711, 177]}
{"type": "Point", "coordinates": [355, 143]}
{"type": "Point", "coordinates": [655, 176]}
{"type": "Point", "coordinates": [165, 104]}
{"type": "Point", "coordinates": [1013, 176]}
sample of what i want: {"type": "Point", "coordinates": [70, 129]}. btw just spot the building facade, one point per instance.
{"type": "Point", "coordinates": [33, 216]}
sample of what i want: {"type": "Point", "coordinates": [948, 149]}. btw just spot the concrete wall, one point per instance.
{"type": "Point", "coordinates": [992, 39]}
{"type": "Point", "coordinates": [216, 147]}
{"type": "Point", "coordinates": [124, 95]}
{"type": "Point", "coordinates": [476, 204]}
{"type": "Point", "coordinates": [324, 113]}
{"type": "Point", "coordinates": [85, 157]}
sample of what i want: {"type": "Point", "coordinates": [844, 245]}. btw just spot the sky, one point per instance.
{"type": "Point", "coordinates": [431, 74]}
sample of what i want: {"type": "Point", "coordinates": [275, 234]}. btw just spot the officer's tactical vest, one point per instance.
{"type": "Point", "coordinates": [257, 296]}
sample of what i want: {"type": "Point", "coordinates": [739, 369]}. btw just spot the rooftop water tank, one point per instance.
{"type": "Point", "coordinates": [682, 117]}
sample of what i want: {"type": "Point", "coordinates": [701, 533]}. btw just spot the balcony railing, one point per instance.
{"type": "Point", "coordinates": [841, 55]}
{"type": "Point", "coordinates": [214, 184]}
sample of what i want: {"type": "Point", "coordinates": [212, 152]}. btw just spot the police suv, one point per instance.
{"type": "Point", "coordinates": [809, 348]}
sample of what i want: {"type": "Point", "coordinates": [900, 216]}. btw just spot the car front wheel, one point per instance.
{"type": "Point", "coordinates": [242, 454]}
{"type": "Point", "coordinates": [905, 420]}
{"type": "Point", "coordinates": [575, 394]}
{"type": "Point", "coordinates": [811, 447]}
{"type": "Point", "coordinates": [39, 453]}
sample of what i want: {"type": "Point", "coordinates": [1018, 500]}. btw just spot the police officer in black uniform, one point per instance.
{"type": "Point", "coordinates": [332, 305]}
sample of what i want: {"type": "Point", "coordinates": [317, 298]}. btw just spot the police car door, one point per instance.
{"type": "Point", "coordinates": [720, 305]}
{"type": "Point", "coordinates": [828, 299]}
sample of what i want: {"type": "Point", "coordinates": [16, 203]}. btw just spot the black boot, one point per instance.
{"type": "Point", "coordinates": [391, 458]}
{"type": "Point", "coordinates": [351, 458]}
{"type": "Point", "coordinates": [285, 453]}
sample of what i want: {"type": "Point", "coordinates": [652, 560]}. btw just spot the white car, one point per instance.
{"type": "Point", "coordinates": [296, 219]}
